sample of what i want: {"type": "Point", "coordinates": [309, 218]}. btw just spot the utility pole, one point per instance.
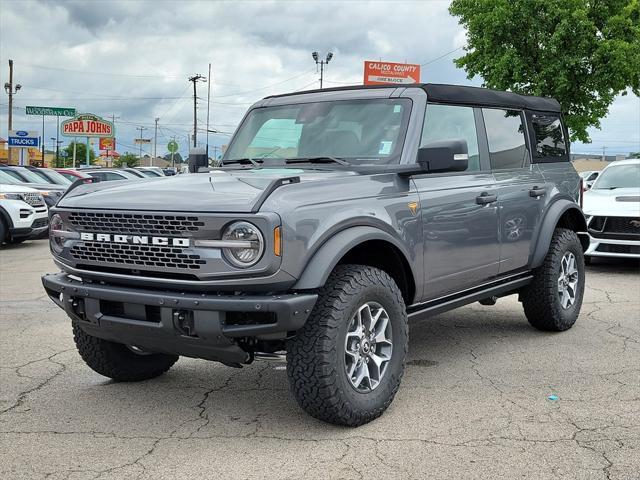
{"type": "Point", "coordinates": [155, 141]}
{"type": "Point", "coordinates": [141, 130]}
{"type": "Point", "coordinates": [208, 107]}
{"type": "Point", "coordinates": [11, 91]}
{"type": "Point", "coordinates": [322, 63]}
{"type": "Point", "coordinates": [195, 79]}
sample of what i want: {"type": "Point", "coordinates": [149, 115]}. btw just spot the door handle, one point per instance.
{"type": "Point", "coordinates": [537, 191]}
{"type": "Point", "coordinates": [484, 198]}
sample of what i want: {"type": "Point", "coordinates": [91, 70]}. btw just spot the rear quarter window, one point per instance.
{"type": "Point", "coordinates": [549, 140]}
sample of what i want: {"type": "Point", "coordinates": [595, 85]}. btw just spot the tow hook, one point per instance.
{"type": "Point", "coordinates": [183, 321]}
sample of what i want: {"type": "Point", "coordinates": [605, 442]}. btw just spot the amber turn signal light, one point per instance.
{"type": "Point", "coordinates": [277, 241]}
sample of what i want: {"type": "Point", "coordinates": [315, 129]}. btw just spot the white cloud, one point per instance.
{"type": "Point", "coordinates": [132, 58]}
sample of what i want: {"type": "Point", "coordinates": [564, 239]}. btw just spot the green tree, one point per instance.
{"type": "Point", "coordinates": [634, 155]}
{"type": "Point", "coordinates": [582, 52]}
{"type": "Point", "coordinates": [128, 160]}
{"type": "Point", "coordinates": [66, 155]}
{"type": "Point", "coordinates": [177, 158]}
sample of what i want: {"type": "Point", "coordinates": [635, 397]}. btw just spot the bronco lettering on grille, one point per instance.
{"type": "Point", "coordinates": [135, 239]}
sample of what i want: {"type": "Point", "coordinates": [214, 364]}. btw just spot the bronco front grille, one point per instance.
{"type": "Point", "coordinates": [33, 199]}
{"type": "Point", "coordinates": [135, 223]}
{"type": "Point", "coordinates": [136, 255]}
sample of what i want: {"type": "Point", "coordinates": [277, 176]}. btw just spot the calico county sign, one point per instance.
{"type": "Point", "coordinates": [87, 125]}
{"type": "Point", "coordinates": [383, 73]}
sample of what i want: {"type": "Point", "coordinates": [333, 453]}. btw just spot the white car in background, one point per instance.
{"type": "Point", "coordinates": [612, 208]}
{"type": "Point", "coordinates": [589, 177]}
{"type": "Point", "coordinates": [23, 214]}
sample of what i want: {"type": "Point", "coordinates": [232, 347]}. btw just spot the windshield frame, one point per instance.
{"type": "Point", "coordinates": [395, 158]}
{"type": "Point", "coordinates": [604, 173]}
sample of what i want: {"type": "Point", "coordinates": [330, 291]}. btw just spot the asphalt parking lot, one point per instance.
{"type": "Point", "coordinates": [473, 403]}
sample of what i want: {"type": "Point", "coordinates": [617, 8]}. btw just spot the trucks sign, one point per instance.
{"type": "Point", "coordinates": [23, 139]}
{"type": "Point", "coordinates": [87, 125]}
{"type": "Point", "coordinates": [383, 73]}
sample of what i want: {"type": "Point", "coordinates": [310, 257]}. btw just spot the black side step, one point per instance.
{"type": "Point", "coordinates": [444, 304]}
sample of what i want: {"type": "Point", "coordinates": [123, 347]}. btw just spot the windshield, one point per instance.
{"type": "Point", "coordinates": [150, 173]}
{"type": "Point", "coordinates": [359, 131]}
{"type": "Point", "coordinates": [619, 176]}
{"type": "Point", "coordinates": [29, 176]}
{"type": "Point", "coordinates": [6, 178]}
{"type": "Point", "coordinates": [55, 177]}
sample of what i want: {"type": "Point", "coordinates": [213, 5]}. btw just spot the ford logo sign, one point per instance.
{"type": "Point", "coordinates": [22, 133]}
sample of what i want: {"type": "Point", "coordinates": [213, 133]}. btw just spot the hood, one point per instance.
{"type": "Point", "coordinates": [619, 202]}
{"type": "Point", "coordinates": [235, 191]}
{"type": "Point", "coordinates": [12, 188]}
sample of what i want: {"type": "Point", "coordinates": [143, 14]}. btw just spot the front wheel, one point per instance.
{"type": "Point", "coordinates": [120, 362]}
{"type": "Point", "coordinates": [346, 363]}
{"type": "Point", "coordinates": [553, 299]}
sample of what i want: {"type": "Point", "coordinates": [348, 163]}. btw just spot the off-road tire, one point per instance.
{"type": "Point", "coordinates": [540, 298]}
{"type": "Point", "coordinates": [117, 361]}
{"type": "Point", "coordinates": [3, 232]}
{"type": "Point", "coordinates": [315, 356]}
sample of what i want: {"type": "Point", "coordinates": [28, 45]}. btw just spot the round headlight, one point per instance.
{"type": "Point", "coordinates": [249, 244]}
{"type": "Point", "coordinates": [56, 241]}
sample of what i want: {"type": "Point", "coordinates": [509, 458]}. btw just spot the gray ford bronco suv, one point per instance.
{"type": "Point", "coordinates": [337, 216]}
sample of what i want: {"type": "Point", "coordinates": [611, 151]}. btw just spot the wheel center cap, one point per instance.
{"type": "Point", "coordinates": [365, 347]}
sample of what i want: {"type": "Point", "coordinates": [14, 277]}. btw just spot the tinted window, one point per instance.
{"type": "Point", "coordinates": [550, 140]}
{"type": "Point", "coordinates": [114, 176]}
{"type": "Point", "coordinates": [505, 135]}
{"type": "Point", "coordinates": [360, 131]}
{"type": "Point", "coordinates": [448, 122]}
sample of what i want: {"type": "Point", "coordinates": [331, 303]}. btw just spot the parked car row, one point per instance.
{"type": "Point", "coordinates": [27, 192]}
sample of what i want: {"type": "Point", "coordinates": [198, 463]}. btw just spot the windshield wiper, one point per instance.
{"type": "Point", "coordinates": [324, 159]}
{"type": "Point", "coordinates": [243, 161]}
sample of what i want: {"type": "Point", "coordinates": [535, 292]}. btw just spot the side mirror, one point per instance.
{"type": "Point", "coordinates": [444, 156]}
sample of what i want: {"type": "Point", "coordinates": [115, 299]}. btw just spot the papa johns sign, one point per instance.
{"type": "Point", "coordinates": [87, 125]}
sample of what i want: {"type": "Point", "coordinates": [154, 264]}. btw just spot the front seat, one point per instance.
{"type": "Point", "coordinates": [342, 143]}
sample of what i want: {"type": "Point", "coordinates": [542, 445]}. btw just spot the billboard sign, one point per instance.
{"type": "Point", "coordinates": [51, 111]}
{"type": "Point", "coordinates": [87, 125]}
{"type": "Point", "coordinates": [23, 139]}
{"type": "Point", "coordinates": [107, 143]}
{"type": "Point", "coordinates": [384, 73]}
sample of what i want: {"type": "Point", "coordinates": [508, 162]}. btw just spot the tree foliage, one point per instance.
{"type": "Point", "coordinates": [582, 52]}
{"type": "Point", "coordinates": [177, 158]}
{"type": "Point", "coordinates": [66, 155]}
{"type": "Point", "coordinates": [126, 160]}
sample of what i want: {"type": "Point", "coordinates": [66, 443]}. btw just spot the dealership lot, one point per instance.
{"type": "Point", "coordinates": [474, 402]}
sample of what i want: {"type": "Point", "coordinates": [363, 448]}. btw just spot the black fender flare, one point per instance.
{"type": "Point", "coordinates": [548, 225]}
{"type": "Point", "coordinates": [6, 217]}
{"type": "Point", "coordinates": [324, 260]}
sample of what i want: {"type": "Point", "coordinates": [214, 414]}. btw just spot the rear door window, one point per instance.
{"type": "Point", "coordinates": [506, 138]}
{"type": "Point", "coordinates": [550, 142]}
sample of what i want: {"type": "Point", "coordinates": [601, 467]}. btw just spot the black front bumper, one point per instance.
{"type": "Point", "coordinates": [183, 323]}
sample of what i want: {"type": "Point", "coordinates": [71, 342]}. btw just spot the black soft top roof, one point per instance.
{"type": "Point", "coordinates": [443, 93]}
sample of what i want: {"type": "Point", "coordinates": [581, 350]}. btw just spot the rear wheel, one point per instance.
{"type": "Point", "coordinates": [553, 299]}
{"type": "Point", "coordinates": [345, 364]}
{"type": "Point", "coordinates": [120, 362]}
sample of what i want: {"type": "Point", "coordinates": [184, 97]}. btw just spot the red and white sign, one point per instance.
{"type": "Point", "coordinates": [383, 73]}
{"type": "Point", "coordinates": [87, 125]}
{"type": "Point", "coordinates": [107, 143]}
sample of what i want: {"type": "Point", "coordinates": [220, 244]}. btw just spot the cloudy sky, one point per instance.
{"type": "Point", "coordinates": [131, 59]}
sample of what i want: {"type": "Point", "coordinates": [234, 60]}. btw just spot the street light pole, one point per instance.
{"type": "Point", "coordinates": [322, 63]}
